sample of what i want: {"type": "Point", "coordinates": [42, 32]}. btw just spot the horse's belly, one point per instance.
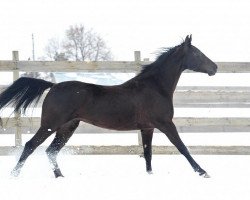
{"type": "Point", "coordinates": [116, 113]}
{"type": "Point", "coordinates": [113, 124]}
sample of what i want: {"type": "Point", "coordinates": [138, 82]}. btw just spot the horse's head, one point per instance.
{"type": "Point", "coordinates": [195, 60]}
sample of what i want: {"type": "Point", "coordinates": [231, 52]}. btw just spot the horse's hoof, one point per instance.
{"type": "Point", "coordinates": [58, 173]}
{"type": "Point", "coordinates": [150, 172]}
{"type": "Point", "coordinates": [205, 175]}
{"type": "Point", "coordinates": [15, 173]}
{"type": "Point", "coordinates": [59, 176]}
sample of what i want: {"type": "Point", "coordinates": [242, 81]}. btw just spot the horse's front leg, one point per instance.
{"type": "Point", "coordinates": [170, 131]}
{"type": "Point", "coordinates": [147, 135]}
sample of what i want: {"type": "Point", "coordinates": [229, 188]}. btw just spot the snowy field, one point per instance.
{"type": "Point", "coordinates": [124, 177]}
{"type": "Point", "coordinates": [115, 177]}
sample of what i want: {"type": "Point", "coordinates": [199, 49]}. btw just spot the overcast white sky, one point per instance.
{"type": "Point", "coordinates": [220, 28]}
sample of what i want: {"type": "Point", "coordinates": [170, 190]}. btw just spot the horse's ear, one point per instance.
{"type": "Point", "coordinates": [188, 40]}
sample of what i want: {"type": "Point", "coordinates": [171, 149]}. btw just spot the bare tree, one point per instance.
{"type": "Point", "coordinates": [54, 50]}
{"type": "Point", "coordinates": [84, 44]}
{"type": "Point", "coordinates": [99, 50]}
{"type": "Point", "coordinates": [80, 44]}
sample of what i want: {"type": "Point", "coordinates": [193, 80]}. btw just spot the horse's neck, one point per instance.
{"type": "Point", "coordinates": [165, 78]}
{"type": "Point", "coordinates": [170, 76]}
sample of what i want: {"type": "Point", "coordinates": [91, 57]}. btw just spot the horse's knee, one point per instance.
{"type": "Point", "coordinates": [50, 151]}
{"type": "Point", "coordinates": [30, 146]}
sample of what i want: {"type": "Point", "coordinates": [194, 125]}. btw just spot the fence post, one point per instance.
{"type": "Point", "coordinates": [137, 55]}
{"type": "Point", "coordinates": [18, 136]}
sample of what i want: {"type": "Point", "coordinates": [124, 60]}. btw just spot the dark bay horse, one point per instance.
{"type": "Point", "coordinates": [142, 103]}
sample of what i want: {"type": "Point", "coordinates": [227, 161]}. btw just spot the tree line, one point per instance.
{"type": "Point", "coordinates": [78, 44]}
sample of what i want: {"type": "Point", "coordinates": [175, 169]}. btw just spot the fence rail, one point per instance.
{"type": "Point", "coordinates": [103, 66]}
{"type": "Point", "coordinates": [28, 125]}
{"type": "Point", "coordinates": [194, 96]}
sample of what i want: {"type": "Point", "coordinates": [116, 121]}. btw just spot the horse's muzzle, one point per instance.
{"type": "Point", "coordinates": [213, 72]}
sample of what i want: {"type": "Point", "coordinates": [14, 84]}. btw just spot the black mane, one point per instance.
{"type": "Point", "coordinates": [155, 66]}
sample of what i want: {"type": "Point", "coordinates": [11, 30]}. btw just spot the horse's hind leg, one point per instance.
{"type": "Point", "coordinates": [147, 136]}
{"type": "Point", "coordinates": [40, 136]}
{"type": "Point", "coordinates": [61, 138]}
{"type": "Point", "coordinates": [170, 131]}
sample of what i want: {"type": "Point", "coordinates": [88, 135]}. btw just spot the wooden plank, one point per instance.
{"type": "Point", "coordinates": [184, 124]}
{"type": "Point", "coordinates": [6, 65]}
{"type": "Point", "coordinates": [133, 150]}
{"type": "Point", "coordinates": [214, 88]}
{"type": "Point", "coordinates": [104, 66]}
{"type": "Point", "coordinates": [212, 98]}
{"type": "Point", "coordinates": [166, 150]}
{"type": "Point", "coordinates": [74, 66]}
{"type": "Point", "coordinates": [233, 67]}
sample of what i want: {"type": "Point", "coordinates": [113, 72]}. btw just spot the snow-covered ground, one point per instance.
{"type": "Point", "coordinates": [124, 177]}
{"type": "Point", "coordinates": [109, 177]}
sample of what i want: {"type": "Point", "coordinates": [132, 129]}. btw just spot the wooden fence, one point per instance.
{"type": "Point", "coordinates": [194, 96]}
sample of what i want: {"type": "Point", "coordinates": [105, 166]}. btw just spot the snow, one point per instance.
{"type": "Point", "coordinates": [124, 177]}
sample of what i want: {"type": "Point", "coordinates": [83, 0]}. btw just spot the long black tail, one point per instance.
{"type": "Point", "coordinates": [23, 92]}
